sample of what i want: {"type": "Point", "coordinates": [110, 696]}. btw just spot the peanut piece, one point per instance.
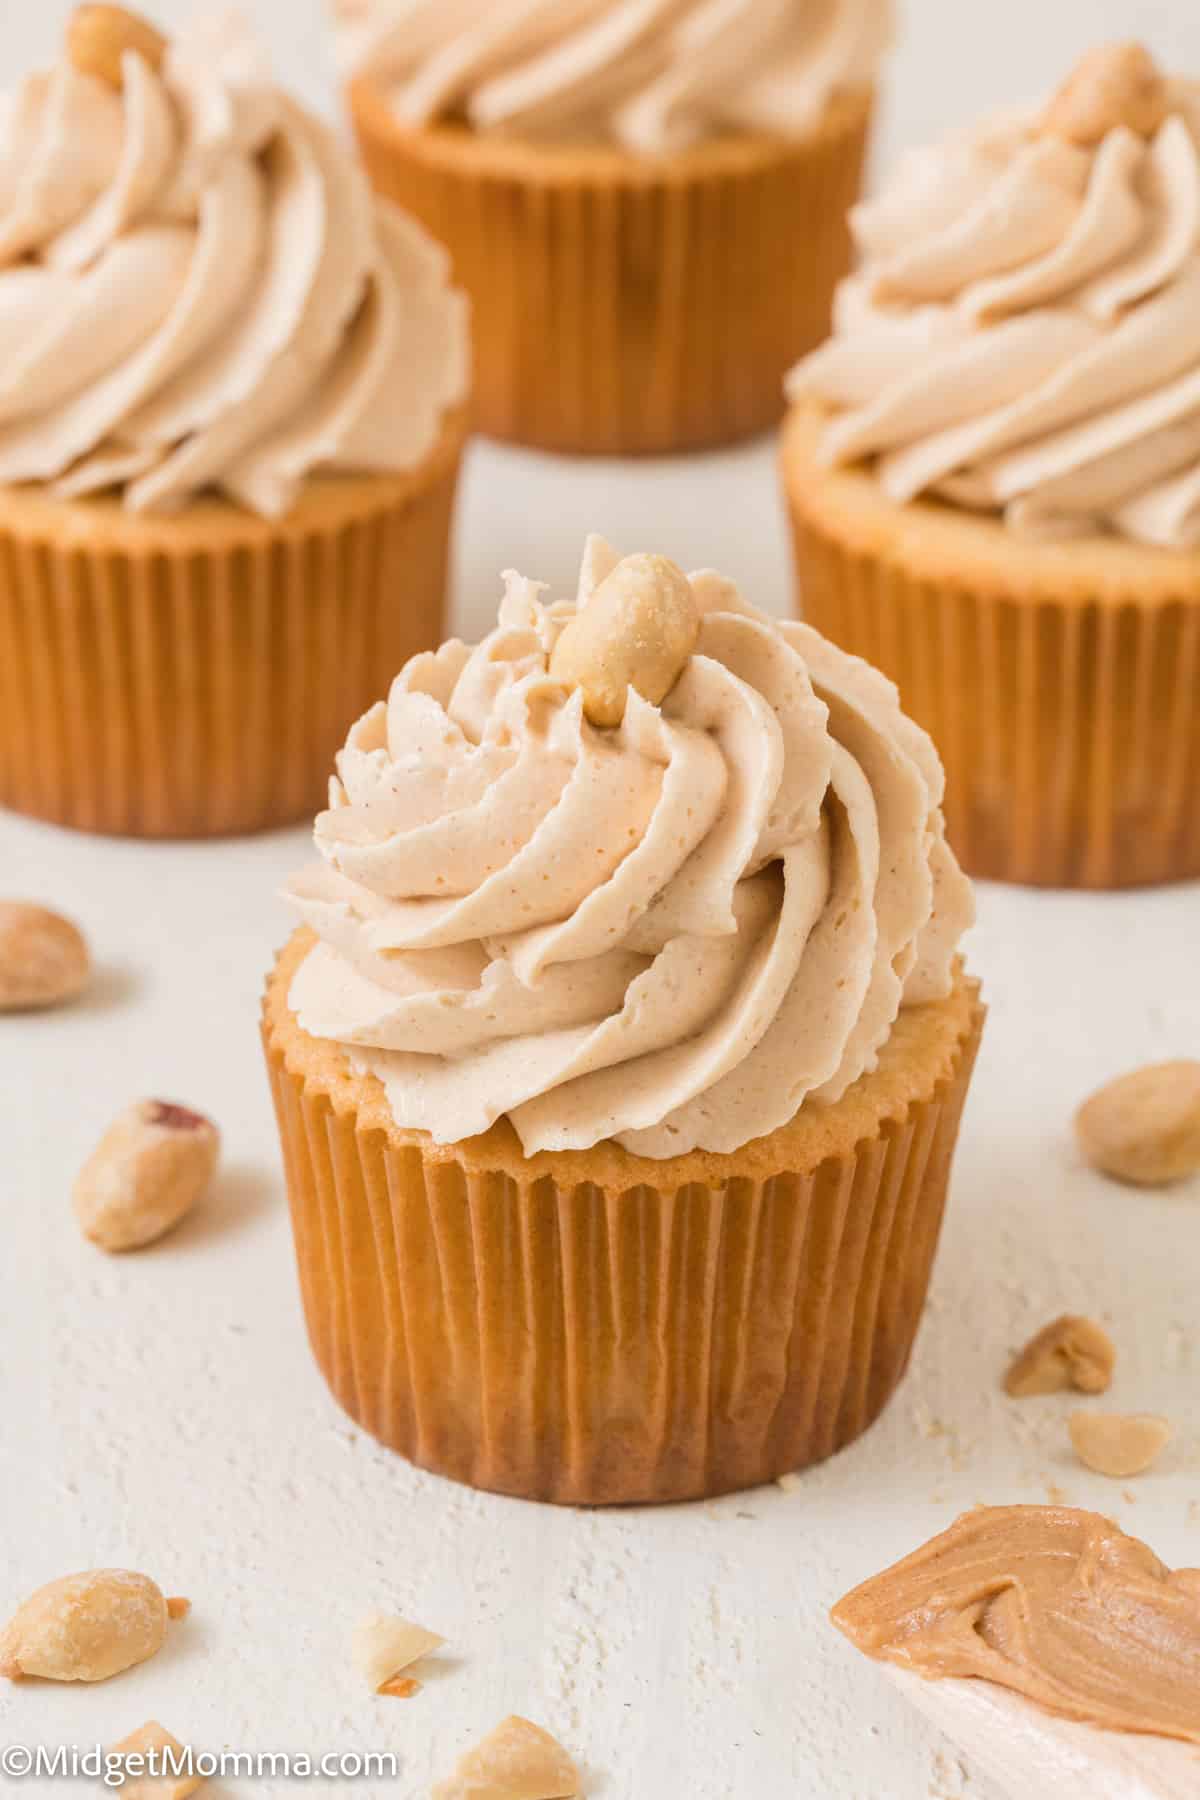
{"type": "Point", "coordinates": [1118, 84]}
{"type": "Point", "coordinates": [385, 1646]}
{"type": "Point", "coordinates": [517, 1761]}
{"type": "Point", "coordinates": [1118, 1444]}
{"type": "Point", "coordinates": [85, 1627]}
{"type": "Point", "coordinates": [146, 1173]}
{"type": "Point", "coordinates": [1068, 1353]}
{"type": "Point", "coordinates": [44, 959]}
{"type": "Point", "coordinates": [1144, 1128]}
{"type": "Point", "coordinates": [152, 1739]}
{"type": "Point", "coordinates": [638, 630]}
{"type": "Point", "coordinates": [99, 36]}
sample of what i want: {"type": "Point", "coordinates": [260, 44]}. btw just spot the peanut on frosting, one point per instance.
{"type": "Point", "coordinates": [1117, 84]}
{"type": "Point", "coordinates": [638, 630]}
{"type": "Point", "coordinates": [100, 37]}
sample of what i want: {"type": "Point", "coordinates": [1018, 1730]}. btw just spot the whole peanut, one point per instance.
{"type": "Point", "coordinates": [1144, 1128]}
{"type": "Point", "coordinates": [44, 959]}
{"type": "Point", "coordinates": [99, 36]}
{"type": "Point", "coordinates": [637, 630]}
{"type": "Point", "coordinates": [86, 1627]}
{"type": "Point", "coordinates": [146, 1173]}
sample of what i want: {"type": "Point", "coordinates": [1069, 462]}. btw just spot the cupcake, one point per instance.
{"type": "Point", "coordinates": [231, 416]}
{"type": "Point", "coordinates": [620, 1054]}
{"type": "Point", "coordinates": [993, 470]}
{"type": "Point", "coordinates": [647, 202]}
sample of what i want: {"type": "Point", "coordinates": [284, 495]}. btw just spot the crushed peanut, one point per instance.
{"type": "Point", "coordinates": [147, 1172]}
{"type": "Point", "coordinates": [1144, 1128]}
{"type": "Point", "coordinates": [517, 1761]}
{"type": "Point", "coordinates": [86, 1627]}
{"type": "Point", "coordinates": [98, 38]}
{"type": "Point", "coordinates": [637, 630]}
{"type": "Point", "coordinates": [1116, 85]}
{"type": "Point", "coordinates": [384, 1646]}
{"type": "Point", "coordinates": [44, 959]}
{"type": "Point", "coordinates": [148, 1740]}
{"type": "Point", "coordinates": [1070, 1352]}
{"type": "Point", "coordinates": [1118, 1444]}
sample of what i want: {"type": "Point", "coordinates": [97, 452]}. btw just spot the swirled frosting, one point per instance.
{"type": "Point", "coordinates": [655, 75]}
{"type": "Point", "coordinates": [1023, 334]}
{"type": "Point", "coordinates": [670, 933]}
{"type": "Point", "coordinates": [197, 290]}
{"type": "Point", "coordinates": [1048, 1601]}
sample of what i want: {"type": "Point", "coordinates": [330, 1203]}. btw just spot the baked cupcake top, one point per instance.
{"type": "Point", "coordinates": [1023, 334]}
{"type": "Point", "coordinates": [652, 75]}
{"type": "Point", "coordinates": [670, 926]}
{"type": "Point", "coordinates": [197, 289]}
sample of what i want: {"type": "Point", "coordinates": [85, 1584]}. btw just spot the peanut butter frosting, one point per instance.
{"type": "Point", "coordinates": [1056, 1604]}
{"type": "Point", "coordinates": [672, 931]}
{"type": "Point", "coordinates": [197, 290]}
{"type": "Point", "coordinates": [1022, 336]}
{"type": "Point", "coordinates": [652, 75]}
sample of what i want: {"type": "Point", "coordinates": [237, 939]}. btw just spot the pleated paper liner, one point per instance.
{"type": "Point", "coordinates": [1061, 682]}
{"type": "Point", "coordinates": [596, 1328]}
{"type": "Point", "coordinates": [628, 304]}
{"type": "Point", "coordinates": [194, 676]}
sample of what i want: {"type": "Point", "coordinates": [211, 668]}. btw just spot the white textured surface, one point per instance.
{"type": "Point", "coordinates": [163, 1412]}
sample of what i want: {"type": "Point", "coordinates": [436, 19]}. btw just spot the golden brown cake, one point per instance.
{"type": "Point", "coordinates": [650, 228]}
{"type": "Point", "coordinates": [233, 411]}
{"type": "Point", "coordinates": [993, 475]}
{"type": "Point", "coordinates": [619, 1066]}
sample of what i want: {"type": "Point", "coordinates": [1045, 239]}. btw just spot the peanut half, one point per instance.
{"type": "Point", "coordinates": [384, 1646]}
{"type": "Point", "coordinates": [1118, 1444]}
{"type": "Point", "coordinates": [1118, 84]}
{"type": "Point", "coordinates": [517, 1761]}
{"type": "Point", "coordinates": [1144, 1128]}
{"type": "Point", "coordinates": [146, 1173]}
{"type": "Point", "coordinates": [638, 630]}
{"type": "Point", "coordinates": [151, 1740]}
{"type": "Point", "coordinates": [86, 1627]}
{"type": "Point", "coordinates": [44, 959]}
{"type": "Point", "coordinates": [98, 38]}
{"type": "Point", "coordinates": [1070, 1352]}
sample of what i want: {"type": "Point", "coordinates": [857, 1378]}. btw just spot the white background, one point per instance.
{"type": "Point", "coordinates": [162, 1412]}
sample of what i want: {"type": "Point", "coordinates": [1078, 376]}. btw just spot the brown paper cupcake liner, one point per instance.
{"type": "Point", "coordinates": [194, 676]}
{"type": "Point", "coordinates": [632, 305]}
{"type": "Point", "coordinates": [596, 1328]}
{"type": "Point", "coordinates": [1061, 682]}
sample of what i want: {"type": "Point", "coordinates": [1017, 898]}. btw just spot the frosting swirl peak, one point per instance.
{"type": "Point", "coordinates": [655, 75]}
{"type": "Point", "coordinates": [197, 290]}
{"type": "Point", "coordinates": [670, 932]}
{"type": "Point", "coordinates": [1023, 336]}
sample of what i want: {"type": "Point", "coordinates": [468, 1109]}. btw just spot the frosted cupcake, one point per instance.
{"type": "Point", "coordinates": [230, 426]}
{"type": "Point", "coordinates": [619, 1060]}
{"type": "Point", "coordinates": [994, 474]}
{"type": "Point", "coordinates": [647, 202]}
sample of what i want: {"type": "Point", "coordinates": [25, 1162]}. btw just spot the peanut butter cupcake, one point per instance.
{"type": "Point", "coordinates": [620, 1056]}
{"type": "Point", "coordinates": [993, 469]}
{"type": "Point", "coordinates": [646, 199]}
{"type": "Point", "coordinates": [231, 415]}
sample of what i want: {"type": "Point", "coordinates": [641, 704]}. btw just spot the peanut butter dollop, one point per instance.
{"type": "Point", "coordinates": [1057, 1604]}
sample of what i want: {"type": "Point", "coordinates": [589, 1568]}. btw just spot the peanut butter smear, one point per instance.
{"type": "Point", "coordinates": [1057, 1604]}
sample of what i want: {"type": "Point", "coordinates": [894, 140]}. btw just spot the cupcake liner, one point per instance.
{"type": "Point", "coordinates": [587, 1328]}
{"type": "Point", "coordinates": [625, 304]}
{"type": "Point", "coordinates": [1059, 681]}
{"type": "Point", "coordinates": [195, 676]}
